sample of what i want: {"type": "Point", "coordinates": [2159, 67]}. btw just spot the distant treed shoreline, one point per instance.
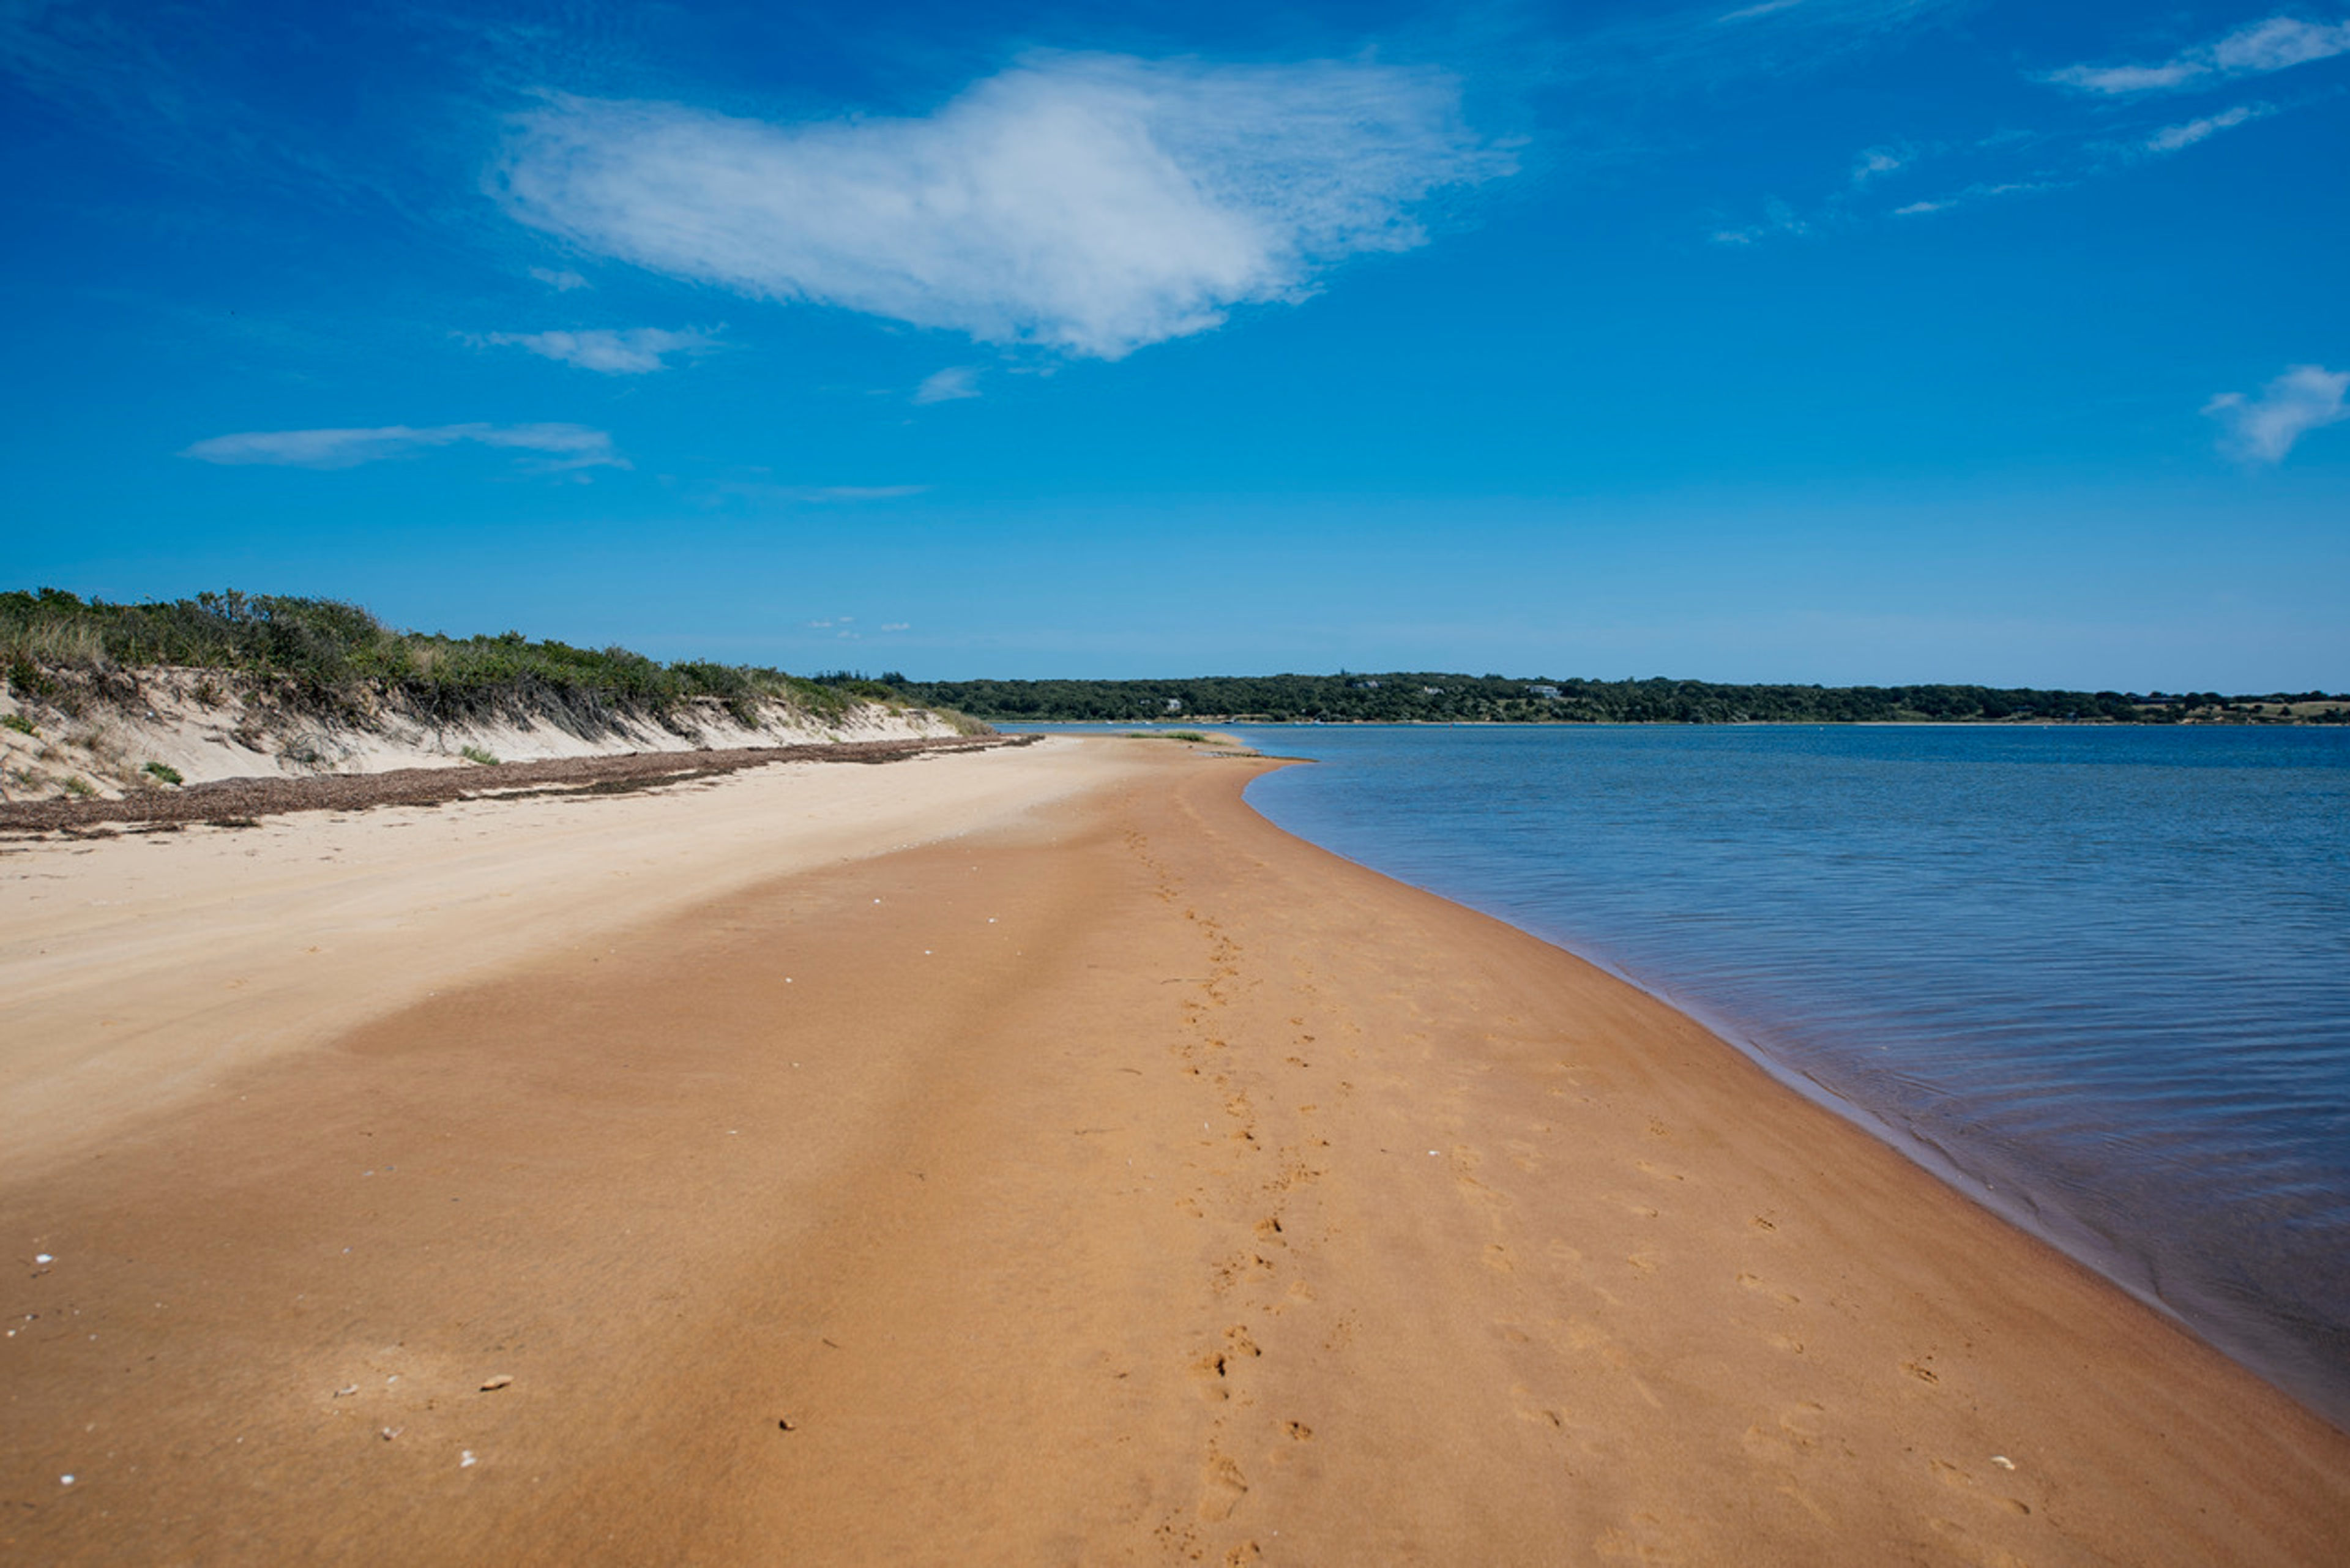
{"type": "Point", "coordinates": [329, 654]}
{"type": "Point", "coordinates": [1433, 698]}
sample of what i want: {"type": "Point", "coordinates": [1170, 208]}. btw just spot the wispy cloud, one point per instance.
{"type": "Point", "coordinates": [1874, 163]}
{"type": "Point", "coordinates": [946, 386]}
{"type": "Point", "coordinates": [764, 490]}
{"type": "Point", "coordinates": [2171, 138]}
{"type": "Point", "coordinates": [860, 491]}
{"type": "Point", "coordinates": [1087, 203]}
{"type": "Point", "coordinates": [1778, 219]}
{"type": "Point", "coordinates": [1699, 44]}
{"type": "Point", "coordinates": [1980, 192]}
{"type": "Point", "coordinates": [1834, 211]}
{"type": "Point", "coordinates": [2263, 428]}
{"type": "Point", "coordinates": [2262, 47]}
{"type": "Point", "coordinates": [562, 282]}
{"type": "Point", "coordinates": [571, 446]}
{"type": "Point", "coordinates": [632, 352]}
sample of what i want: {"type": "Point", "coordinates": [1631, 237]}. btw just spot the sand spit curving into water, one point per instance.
{"type": "Point", "coordinates": [1019, 1156]}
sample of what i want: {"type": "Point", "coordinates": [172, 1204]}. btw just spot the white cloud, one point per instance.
{"type": "Point", "coordinates": [2263, 428]}
{"type": "Point", "coordinates": [572, 446]}
{"type": "Point", "coordinates": [561, 282]}
{"type": "Point", "coordinates": [1678, 45]}
{"type": "Point", "coordinates": [1778, 218]}
{"type": "Point", "coordinates": [945, 386]}
{"type": "Point", "coordinates": [2262, 47]}
{"type": "Point", "coordinates": [2280, 42]}
{"type": "Point", "coordinates": [1875, 163]}
{"type": "Point", "coordinates": [1980, 192]}
{"type": "Point", "coordinates": [767, 492]}
{"type": "Point", "coordinates": [858, 492]}
{"type": "Point", "coordinates": [2171, 138]}
{"type": "Point", "coordinates": [614, 353]}
{"type": "Point", "coordinates": [1088, 203]}
{"type": "Point", "coordinates": [897, 626]}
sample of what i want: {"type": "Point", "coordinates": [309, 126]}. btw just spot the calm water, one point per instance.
{"type": "Point", "coordinates": [2099, 978]}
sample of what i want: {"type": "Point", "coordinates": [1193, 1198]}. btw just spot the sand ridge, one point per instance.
{"type": "Point", "coordinates": [1124, 1182]}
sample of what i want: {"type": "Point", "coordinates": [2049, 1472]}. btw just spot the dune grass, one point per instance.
{"type": "Point", "coordinates": [335, 658]}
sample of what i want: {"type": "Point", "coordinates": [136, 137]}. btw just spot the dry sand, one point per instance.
{"type": "Point", "coordinates": [1103, 1176]}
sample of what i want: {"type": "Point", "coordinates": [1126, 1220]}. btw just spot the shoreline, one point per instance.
{"type": "Point", "coordinates": [2017, 1206]}
{"type": "Point", "coordinates": [1468, 1226]}
{"type": "Point", "coordinates": [2265, 1334]}
{"type": "Point", "coordinates": [2131, 1273]}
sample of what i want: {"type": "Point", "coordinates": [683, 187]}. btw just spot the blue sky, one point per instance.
{"type": "Point", "coordinates": [1837, 340]}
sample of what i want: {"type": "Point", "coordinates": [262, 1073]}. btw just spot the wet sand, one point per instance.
{"type": "Point", "coordinates": [1118, 1180]}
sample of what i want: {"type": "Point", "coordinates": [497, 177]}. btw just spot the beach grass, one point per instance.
{"type": "Point", "coordinates": [337, 660]}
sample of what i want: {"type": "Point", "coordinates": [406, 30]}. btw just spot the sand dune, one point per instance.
{"type": "Point", "coordinates": [1025, 1157]}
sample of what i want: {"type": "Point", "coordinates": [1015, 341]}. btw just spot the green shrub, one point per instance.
{"type": "Point", "coordinates": [77, 784]}
{"type": "Point", "coordinates": [476, 754]}
{"type": "Point", "coordinates": [166, 771]}
{"type": "Point", "coordinates": [326, 656]}
{"type": "Point", "coordinates": [18, 723]}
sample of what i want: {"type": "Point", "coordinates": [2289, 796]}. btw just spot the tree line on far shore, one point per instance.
{"type": "Point", "coordinates": [1433, 698]}
{"type": "Point", "coordinates": [327, 655]}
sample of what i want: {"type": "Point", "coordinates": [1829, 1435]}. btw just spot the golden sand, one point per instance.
{"type": "Point", "coordinates": [1105, 1176]}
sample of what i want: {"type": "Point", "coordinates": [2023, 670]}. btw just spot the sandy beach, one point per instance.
{"type": "Point", "coordinates": [1022, 1156]}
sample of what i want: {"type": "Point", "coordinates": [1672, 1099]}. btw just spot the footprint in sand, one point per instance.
{"type": "Point", "coordinates": [1958, 1479]}
{"type": "Point", "coordinates": [1757, 1283]}
{"type": "Point", "coordinates": [1534, 1413]}
{"type": "Point", "coordinates": [1222, 1487]}
{"type": "Point", "coordinates": [1803, 1422]}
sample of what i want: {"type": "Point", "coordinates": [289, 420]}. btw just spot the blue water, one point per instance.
{"type": "Point", "coordinates": [2098, 977]}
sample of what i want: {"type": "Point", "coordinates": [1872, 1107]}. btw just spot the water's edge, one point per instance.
{"type": "Point", "coordinates": [2253, 1343]}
